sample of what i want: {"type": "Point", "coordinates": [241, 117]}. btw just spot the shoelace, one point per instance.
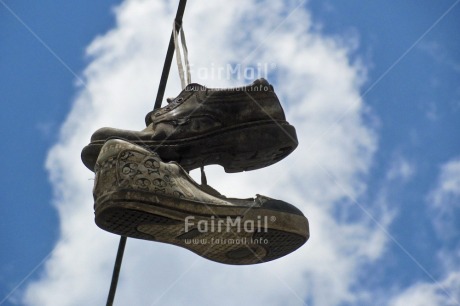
{"type": "Point", "coordinates": [185, 77]}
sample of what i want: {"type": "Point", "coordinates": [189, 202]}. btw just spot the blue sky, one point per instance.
{"type": "Point", "coordinates": [38, 94]}
{"type": "Point", "coordinates": [402, 189]}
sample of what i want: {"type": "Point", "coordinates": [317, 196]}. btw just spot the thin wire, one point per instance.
{"type": "Point", "coordinates": [169, 56]}
{"type": "Point", "coordinates": [116, 270]}
{"type": "Point", "coordinates": [159, 99]}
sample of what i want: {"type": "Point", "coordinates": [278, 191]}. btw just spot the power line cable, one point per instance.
{"type": "Point", "coordinates": [159, 99]}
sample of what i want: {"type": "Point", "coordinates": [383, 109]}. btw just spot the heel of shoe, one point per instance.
{"type": "Point", "coordinates": [242, 148]}
{"type": "Point", "coordinates": [262, 146]}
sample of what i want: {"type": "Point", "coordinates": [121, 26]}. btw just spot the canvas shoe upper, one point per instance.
{"type": "Point", "coordinates": [138, 195]}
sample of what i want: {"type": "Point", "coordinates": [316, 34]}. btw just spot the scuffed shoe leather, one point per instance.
{"type": "Point", "coordinates": [238, 128]}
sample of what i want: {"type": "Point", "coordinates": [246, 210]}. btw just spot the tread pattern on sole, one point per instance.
{"type": "Point", "coordinates": [238, 248]}
{"type": "Point", "coordinates": [280, 243]}
{"type": "Point", "coordinates": [124, 222]}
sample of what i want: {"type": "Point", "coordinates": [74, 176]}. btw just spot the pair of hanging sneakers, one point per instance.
{"type": "Point", "coordinates": [142, 187]}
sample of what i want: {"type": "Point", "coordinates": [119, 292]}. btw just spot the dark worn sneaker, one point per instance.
{"type": "Point", "coordinates": [138, 195]}
{"type": "Point", "coordinates": [240, 129]}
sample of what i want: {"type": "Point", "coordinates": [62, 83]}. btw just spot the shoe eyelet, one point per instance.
{"type": "Point", "coordinates": [180, 100]}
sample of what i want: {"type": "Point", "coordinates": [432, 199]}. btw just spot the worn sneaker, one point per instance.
{"type": "Point", "coordinates": [138, 195]}
{"type": "Point", "coordinates": [240, 129]}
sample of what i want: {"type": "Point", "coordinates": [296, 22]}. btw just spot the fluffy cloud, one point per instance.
{"type": "Point", "coordinates": [444, 293]}
{"type": "Point", "coordinates": [444, 206]}
{"type": "Point", "coordinates": [319, 87]}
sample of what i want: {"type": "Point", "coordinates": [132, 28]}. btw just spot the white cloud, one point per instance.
{"type": "Point", "coordinates": [438, 53]}
{"type": "Point", "coordinates": [445, 200]}
{"type": "Point", "coordinates": [401, 169]}
{"type": "Point", "coordinates": [443, 293]}
{"type": "Point", "coordinates": [319, 88]}
{"type": "Point", "coordinates": [449, 184]}
{"type": "Point", "coordinates": [444, 206]}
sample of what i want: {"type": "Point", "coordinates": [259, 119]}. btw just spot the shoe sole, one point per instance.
{"type": "Point", "coordinates": [242, 148]}
{"type": "Point", "coordinates": [274, 234]}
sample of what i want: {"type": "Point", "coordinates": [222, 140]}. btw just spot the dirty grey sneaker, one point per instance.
{"type": "Point", "coordinates": [239, 128]}
{"type": "Point", "coordinates": [138, 195]}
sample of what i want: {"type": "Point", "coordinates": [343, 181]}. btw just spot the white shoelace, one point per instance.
{"type": "Point", "coordinates": [185, 77]}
